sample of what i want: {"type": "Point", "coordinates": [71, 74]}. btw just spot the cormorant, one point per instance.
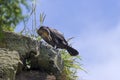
{"type": "Point", "coordinates": [56, 39]}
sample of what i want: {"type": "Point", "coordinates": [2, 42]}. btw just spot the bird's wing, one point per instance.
{"type": "Point", "coordinates": [58, 35]}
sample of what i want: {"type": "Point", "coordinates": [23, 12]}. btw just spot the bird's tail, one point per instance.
{"type": "Point", "coordinates": [72, 51]}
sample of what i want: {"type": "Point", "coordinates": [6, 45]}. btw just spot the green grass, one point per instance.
{"type": "Point", "coordinates": [71, 65]}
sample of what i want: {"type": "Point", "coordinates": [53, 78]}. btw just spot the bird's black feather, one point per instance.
{"type": "Point", "coordinates": [55, 38]}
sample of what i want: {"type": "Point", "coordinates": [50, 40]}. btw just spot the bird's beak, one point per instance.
{"type": "Point", "coordinates": [38, 31]}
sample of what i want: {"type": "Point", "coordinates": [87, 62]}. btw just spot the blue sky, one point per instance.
{"type": "Point", "coordinates": [95, 24]}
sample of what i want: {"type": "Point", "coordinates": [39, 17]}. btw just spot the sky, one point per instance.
{"type": "Point", "coordinates": [95, 24]}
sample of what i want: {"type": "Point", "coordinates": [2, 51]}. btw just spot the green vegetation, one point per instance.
{"type": "Point", "coordinates": [71, 65]}
{"type": "Point", "coordinates": [11, 13]}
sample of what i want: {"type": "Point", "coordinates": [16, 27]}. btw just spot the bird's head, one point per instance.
{"type": "Point", "coordinates": [41, 30]}
{"type": "Point", "coordinates": [44, 32]}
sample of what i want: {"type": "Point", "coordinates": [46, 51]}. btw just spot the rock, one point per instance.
{"type": "Point", "coordinates": [33, 54]}
{"type": "Point", "coordinates": [48, 59]}
{"type": "Point", "coordinates": [20, 43]}
{"type": "Point", "coordinates": [9, 64]}
{"type": "Point", "coordinates": [34, 75]}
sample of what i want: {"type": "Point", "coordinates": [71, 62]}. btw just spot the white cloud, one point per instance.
{"type": "Point", "coordinates": [100, 53]}
{"type": "Point", "coordinates": [108, 71]}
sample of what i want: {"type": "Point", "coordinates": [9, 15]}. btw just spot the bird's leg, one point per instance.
{"type": "Point", "coordinates": [55, 48]}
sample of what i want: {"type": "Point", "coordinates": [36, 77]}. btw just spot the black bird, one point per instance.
{"type": "Point", "coordinates": [56, 39]}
